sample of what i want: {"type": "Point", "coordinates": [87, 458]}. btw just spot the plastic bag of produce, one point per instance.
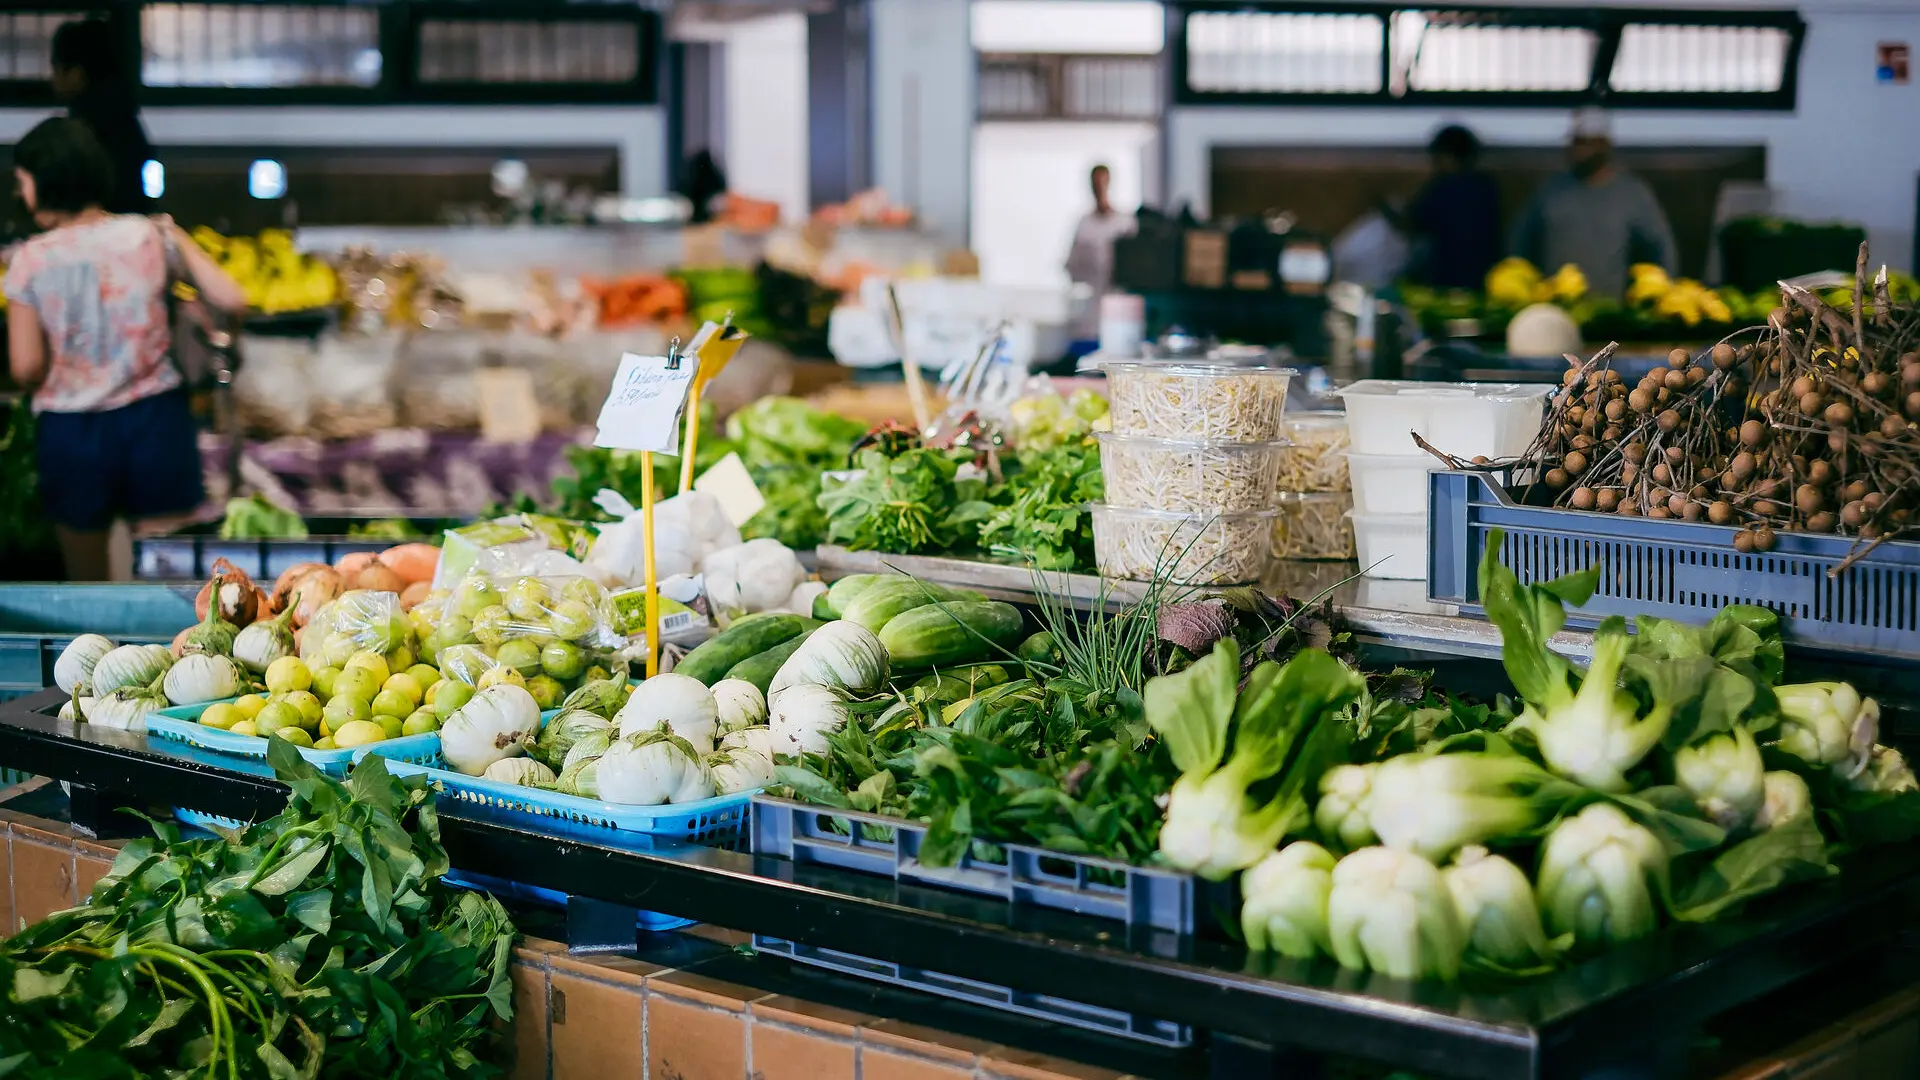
{"type": "Point", "coordinates": [435, 381]}
{"type": "Point", "coordinates": [357, 621]}
{"type": "Point", "coordinates": [507, 545]}
{"type": "Point", "coordinates": [352, 383]}
{"type": "Point", "coordinates": [270, 392]}
{"type": "Point", "coordinates": [551, 632]}
{"type": "Point", "coordinates": [685, 529]}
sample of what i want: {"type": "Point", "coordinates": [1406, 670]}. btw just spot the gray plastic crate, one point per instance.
{"type": "Point", "coordinates": [189, 555]}
{"type": "Point", "coordinates": [889, 847]}
{"type": "Point", "coordinates": [38, 620]}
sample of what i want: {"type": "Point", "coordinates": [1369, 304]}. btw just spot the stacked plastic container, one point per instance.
{"type": "Point", "coordinates": [1315, 497]}
{"type": "Point", "coordinates": [1192, 471]}
{"type": "Point", "coordinates": [1469, 421]}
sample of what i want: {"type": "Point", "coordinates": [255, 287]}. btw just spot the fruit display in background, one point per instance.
{"type": "Point", "coordinates": [275, 276]}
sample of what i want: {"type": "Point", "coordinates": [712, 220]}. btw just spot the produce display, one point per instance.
{"type": "Point", "coordinates": [1190, 477]}
{"type": "Point", "coordinates": [1656, 306]}
{"type": "Point", "coordinates": [1174, 401]}
{"type": "Point", "coordinates": [1318, 458]}
{"type": "Point", "coordinates": [320, 942]}
{"type": "Point", "coordinates": [1806, 424]}
{"type": "Point", "coordinates": [1314, 525]}
{"type": "Point", "coordinates": [275, 276]}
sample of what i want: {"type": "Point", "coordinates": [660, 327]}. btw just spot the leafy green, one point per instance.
{"type": "Point", "coordinates": [775, 431]}
{"type": "Point", "coordinates": [26, 536]}
{"type": "Point", "coordinates": [254, 518]}
{"type": "Point", "coordinates": [319, 943]}
{"type": "Point", "coordinates": [910, 503]}
{"type": "Point", "coordinates": [1042, 510]}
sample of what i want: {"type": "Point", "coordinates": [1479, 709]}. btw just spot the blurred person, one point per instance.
{"type": "Point", "coordinates": [1373, 251]}
{"type": "Point", "coordinates": [1455, 219]}
{"type": "Point", "coordinates": [702, 182]}
{"type": "Point", "coordinates": [88, 333]}
{"type": "Point", "coordinates": [1090, 258]}
{"type": "Point", "coordinates": [88, 76]}
{"type": "Point", "coordinates": [1595, 215]}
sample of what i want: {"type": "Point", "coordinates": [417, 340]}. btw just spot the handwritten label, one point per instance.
{"type": "Point", "coordinates": [731, 486]}
{"type": "Point", "coordinates": [509, 411]}
{"type": "Point", "coordinates": [643, 407]}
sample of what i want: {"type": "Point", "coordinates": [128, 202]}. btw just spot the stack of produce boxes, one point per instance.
{"type": "Point", "coordinates": [1192, 471]}
{"type": "Point", "coordinates": [1314, 495]}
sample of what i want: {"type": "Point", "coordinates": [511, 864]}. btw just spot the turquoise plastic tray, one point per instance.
{"type": "Point", "coordinates": [181, 723]}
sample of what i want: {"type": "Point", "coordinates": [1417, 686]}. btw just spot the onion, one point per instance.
{"type": "Point", "coordinates": [316, 589]}
{"type": "Point", "coordinates": [283, 586]}
{"type": "Point", "coordinates": [377, 576]}
{"type": "Point", "coordinates": [239, 599]}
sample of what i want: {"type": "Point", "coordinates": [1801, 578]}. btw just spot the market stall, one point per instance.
{"type": "Point", "coordinates": [1041, 743]}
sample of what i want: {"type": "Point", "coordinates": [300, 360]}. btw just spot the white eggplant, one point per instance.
{"type": "Point", "coordinates": [129, 665]}
{"type": "Point", "coordinates": [741, 704]}
{"type": "Point", "coordinates": [739, 770]}
{"type": "Point", "coordinates": [841, 654]}
{"type": "Point", "coordinates": [803, 716]}
{"type": "Point", "coordinates": [681, 704]}
{"type": "Point", "coordinates": [499, 722]}
{"type": "Point", "coordinates": [77, 660]}
{"type": "Point", "coordinates": [202, 677]}
{"type": "Point", "coordinates": [653, 768]}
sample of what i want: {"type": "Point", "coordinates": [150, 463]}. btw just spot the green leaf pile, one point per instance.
{"type": "Point", "coordinates": [319, 943]}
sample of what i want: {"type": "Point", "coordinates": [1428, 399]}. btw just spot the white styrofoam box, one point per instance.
{"type": "Point", "coordinates": [1467, 420]}
{"type": "Point", "coordinates": [950, 319]}
{"type": "Point", "coordinates": [1390, 483]}
{"type": "Point", "coordinates": [1391, 545]}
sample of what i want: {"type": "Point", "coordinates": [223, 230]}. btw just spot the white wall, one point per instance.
{"type": "Point", "coordinates": [1851, 151]}
{"type": "Point", "coordinates": [1030, 191]}
{"type": "Point", "coordinates": [923, 104]}
{"type": "Point", "coordinates": [767, 126]}
{"type": "Point", "coordinates": [639, 132]}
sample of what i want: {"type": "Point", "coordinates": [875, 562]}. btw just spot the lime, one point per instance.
{"type": "Point", "coordinates": [287, 674]}
{"type": "Point", "coordinates": [546, 691]}
{"type": "Point", "coordinates": [357, 682]}
{"type": "Point", "coordinates": [399, 658]}
{"type": "Point", "coordinates": [474, 595]}
{"type": "Point", "coordinates": [324, 743]}
{"type": "Point", "coordinates": [372, 661]}
{"type": "Point", "coordinates": [448, 696]}
{"type": "Point", "coordinates": [421, 723]}
{"type": "Point", "coordinates": [337, 649]}
{"type": "Point", "coordinates": [563, 660]}
{"type": "Point", "coordinates": [492, 626]}
{"type": "Point", "coordinates": [392, 725]}
{"type": "Point", "coordinates": [521, 655]}
{"type": "Point", "coordinates": [244, 727]}
{"type": "Point", "coordinates": [309, 706]}
{"type": "Point", "coordinates": [497, 676]}
{"type": "Point", "coordinates": [572, 619]}
{"type": "Point", "coordinates": [391, 703]}
{"type": "Point", "coordinates": [582, 590]}
{"type": "Point", "coordinates": [294, 735]}
{"type": "Point", "coordinates": [406, 686]}
{"type": "Point", "coordinates": [528, 599]}
{"type": "Point", "coordinates": [277, 715]}
{"type": "Point", "coordinates": [424, 674]}
{"type": "Point", "coordinates": [358, 733]}
{"type": "Point", "coordinates": [323, 678]}
{"type": "Point", "coordinates": [343, 709]}
{"type": "Point", "coordinates": [250, 704]}
{"type": "Point", "coordinates": [223, 715]}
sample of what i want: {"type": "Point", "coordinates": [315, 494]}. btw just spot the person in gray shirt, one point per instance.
{"type": "Point", "coordinates": [1594, 215]}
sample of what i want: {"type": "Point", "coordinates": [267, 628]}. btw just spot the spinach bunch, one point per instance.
{"type": "Point", "coordinates": [319, 943]}
{"type": "Point", "coordinates": [911, 503]}
{"type": "Point", "coordinates": [1042, 514]}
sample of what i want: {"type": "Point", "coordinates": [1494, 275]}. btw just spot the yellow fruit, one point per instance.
{"type": "Point", "coordinates": [223, 715]}
{"type": "Point", "coordinates": [408, 686]}
{"type": "Point", "coordinates": [324, 743]}
{"type": "Point", "coordinates": [244, 727]}
{"type": "Point", "coordinates": [358, 733]}
{"type": "Point", "coordinates": [372, 661]}
{"type": "Point", "coordinates": [497, 676]}
{"type": "Point", "coordinates": [392, 725]}
{"type": "Point", "coordinates": [399, 659]}
{"type": "Point", "coordinates": [287, 674]}
{"type": "Point", "coordinates": [250, 704]}
{"type": "Point", "coordinates": [356, 682]}
{"type": "Point", "coordinates": [424, 674]}
{"type": "Point", "coordinates": [342, 710]}
{"type": "Point", "coordinates": [391, 703]}
{"type": "Point", "coordinates": [421, 723]}
{"type": "Point", "coordinates": [294, 735]}
{"type": "Point", "coordinates": [309, 706]}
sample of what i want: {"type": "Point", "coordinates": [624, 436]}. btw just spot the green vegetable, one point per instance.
{"type": "Point", "coordinates": [1391, 912]}
{"type": "Point", "coordinates": [1828, 723]}
{"type": "Point", "coordinates": [711, 660]}
{"type": "Point", "coordinates": [1601, 876]}
{"type": "Point", "coordinates": [1498, 913]}
{"type": "Point", "coordinates": [1725, 776]}
{"type": "Point", "coordinates": [876, 606]}
{"type": "Point", "coordinates": [907, 504]}
{"type": "Point", "coordinates": [317, 943]}
{"type": "Point", "coordinates": [27, 543]}
{"type": "Point", "coordinates": [943, 634]}
{"type": "Point", "coordinates": [775, 431]}
{"type": "Point", "coordinates": [842, 593]}
{"type": "Point", "coordinates": [823, 608]}
{"type": "Point", "coordinates": [1341, 816]}
{"type": "Point", "coordinates": [1040, 648]}
{"type": "Point", "coordinates": [1436, 804]}
{"type": "Point", "coordinates": [255, 518]}
{"type": "Point", "coordinates": [760, 668]}
{"type": "Point", "coordinates": [1285, 905]}
{"type": "Point", "coordinates": [1042, 516]}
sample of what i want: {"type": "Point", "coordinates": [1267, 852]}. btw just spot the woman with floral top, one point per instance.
{"type": "Point", "coordinates": [88, 332]}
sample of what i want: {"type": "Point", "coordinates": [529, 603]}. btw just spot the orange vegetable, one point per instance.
{"type": "Point", "coordinates": [413, 562]}
{"type": "Point", "coordinates": [351, 564]}
{"type": "Point", "coordinates": [412, 595]}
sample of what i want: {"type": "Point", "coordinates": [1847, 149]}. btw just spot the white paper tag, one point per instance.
{"type": "Point", "coordinates": [731, 486]}
{"type": "Point", "coordinates": [509, 411]}
{"type": "Point", "coordinates": [643, 407]}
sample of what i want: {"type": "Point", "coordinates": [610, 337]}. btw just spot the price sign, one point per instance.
{"type": "Point", "coordinates": [509, 411]}
{"type": "Point", "coordinates": [643, 408]}
{"type": "Point", "coordinates": [729, 484]}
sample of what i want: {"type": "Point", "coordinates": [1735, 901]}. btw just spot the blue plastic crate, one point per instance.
{"type": "Point", "coordinates": [1677, 569]}
{"type": "Point", "coordinates": [190, 554]}
{"type": "Point", "coordinates": [37, 621]}
{"type": "Point", "coordinates": [180, 723]}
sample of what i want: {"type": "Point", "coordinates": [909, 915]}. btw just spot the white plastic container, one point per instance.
{"type": "Point", "coordinates": [1188, 549]}
{"type": "Point", "coordinates": [1390, 483]}
{"type": "Point", "coordinates": [1467, 420]}
{"type": "Point", "coordinates": [1192, 400]}
{"type": "Point", "coordinates": [1314, 525]}
{"type": "Point", "coordinates": [1392, 545]}
{"type": "Point", "coordinates": [1190, 477]}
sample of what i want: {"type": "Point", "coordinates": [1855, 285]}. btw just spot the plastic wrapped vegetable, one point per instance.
{"type": "Point", "coordinates": [1284, 905]}
{"type": "Point", "coordinates": [1601, 876]}
{"type": "Point", "coordinates": [1391, 912]}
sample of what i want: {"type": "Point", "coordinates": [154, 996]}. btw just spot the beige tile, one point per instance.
{"type": "Point", "coordinates": [688, 1042]}
{"type": "Point", "coordinates": [529, 1023]}
{"type": "Point", "coordinates": [926, 1042]}
{"type": "Point", "coordinates": [798, 1012]}
{"type": "Point", "coordinates": [41, 831]}
{"type": "Point", "coordinates": [6, 884]}
{"type": "Point", "coordinates": [1013, 1064]}
{"type": "Point", "coordinates": [878, 1064]}
{"type": "Point", "coordinates": [87, 869]}
{"type": "Point", "coordinates": [608, 968]}
{"type": "Point", "coordinates": [593, 1029]}
{"type": "Point", "coordinates": [42, 879]}
{"type": "Point", "coordinates": [704, 991]}
{"type": "Point", "coordinates": [99, 849]}
{"type": "Point", "coordinates": [793, 1054]}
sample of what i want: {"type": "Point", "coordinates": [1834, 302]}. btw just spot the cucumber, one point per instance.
{"type": "Point", "coordinates": [884, 602]}
{"type": "Point", "coordinates": [823, 608]}
{"type": "Point", "coordinates": [711, 660]}
{"type": "Point", "coordinates": [951, 633]}
{"type": "Point", "coordinates": [760, 668]}
{"type": "Point", "coordinates": [847, 589]}
{"type": "Point", "coordinates": [1040, 648]}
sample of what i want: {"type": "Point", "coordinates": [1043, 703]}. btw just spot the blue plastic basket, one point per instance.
{"type": "Point", "coordinates": [1678, 569]}
{"type": "Point", "coordinates": [181, 724]}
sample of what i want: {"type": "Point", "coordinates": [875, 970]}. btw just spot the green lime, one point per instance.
{"type": "Point", "coordinates": [358, 733]}
{"type": "Point", "coordinates": [309, 706]}
{"type": "Point", "coordinates": [391, 703]}
{"type": "Point", "coordinates": [250, 704]}
{"type": "Point", "coordinates": [325, 742]}
{"type": "Point", "coordinates": [323, 679]}
{"type": "Point", "coordinates": [372, 661]}
{"type": "Point", "coordinates": [421, 722]}
{"type": "Point", "coordinates": [244, 727]}
{"type": "Point", "coordinates": [521, 655]}
{"type": "Point", "coordinates": [296, 736]}
{"type": "Point", "coordinates": [357, 682]}
{"type": "Point", "coordinates": [342, 710]}
{"type": "Point", "coordinates": [528, 599]}
{"type": "Point", "coordinates": [448, 696]}
{"type": "Point", "coordinates": [497, 676]}
{"type": "Point", "coordinates": [338, 649]}
{"type": "Point", "coordinates": [474, 595]}
{"type": "Point", "coordinates": [399, 659]}
{"type": "Point", "coordinates": [222, 715]}
{"type": "Point", "coordinates": [572, 619]}
{"type": "Point", "coordinates": [424, 674]}
{"type": "Point", "coordinates": [391, 725]}
{"type": "Point", "coordinates": [407, 686]}
{"type": "Point", "coordinates": [547, 691]}
{"type": "Point", "coordinates": [277, 715]}
{"type": "Point", "coordinates": [287, 674]}
{"type": "Point", "coordinates": [563, 660]}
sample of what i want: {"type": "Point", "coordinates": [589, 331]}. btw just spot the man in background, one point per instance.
{"type": "Point", "coordinates": [1594, 215]}
{"type": "Point", "coordinates": [1090, 259]}
{"type": "Point", "coordinates": [1455, 220]}
{"type": "Point", "coordinates": [89, 75]}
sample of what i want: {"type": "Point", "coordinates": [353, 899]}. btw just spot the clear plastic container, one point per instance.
{"type": "Point", "coordinates": [1467, 420]}
{"type": "Point", "coordinates": [1186, 549]}
{"type": "Point", "coordinates": [1391, 483]}
{"type": "Point", "coordinates": [1224, 402]}
{"type": "Point", "coordinates": [1392, 545]}
{"type": "Point", "coordinates": [1314, 525]}
{"type": "Point", "coordinates": [1190, 477]}
{"type": "Point", "coordinates": [1318, 459]}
